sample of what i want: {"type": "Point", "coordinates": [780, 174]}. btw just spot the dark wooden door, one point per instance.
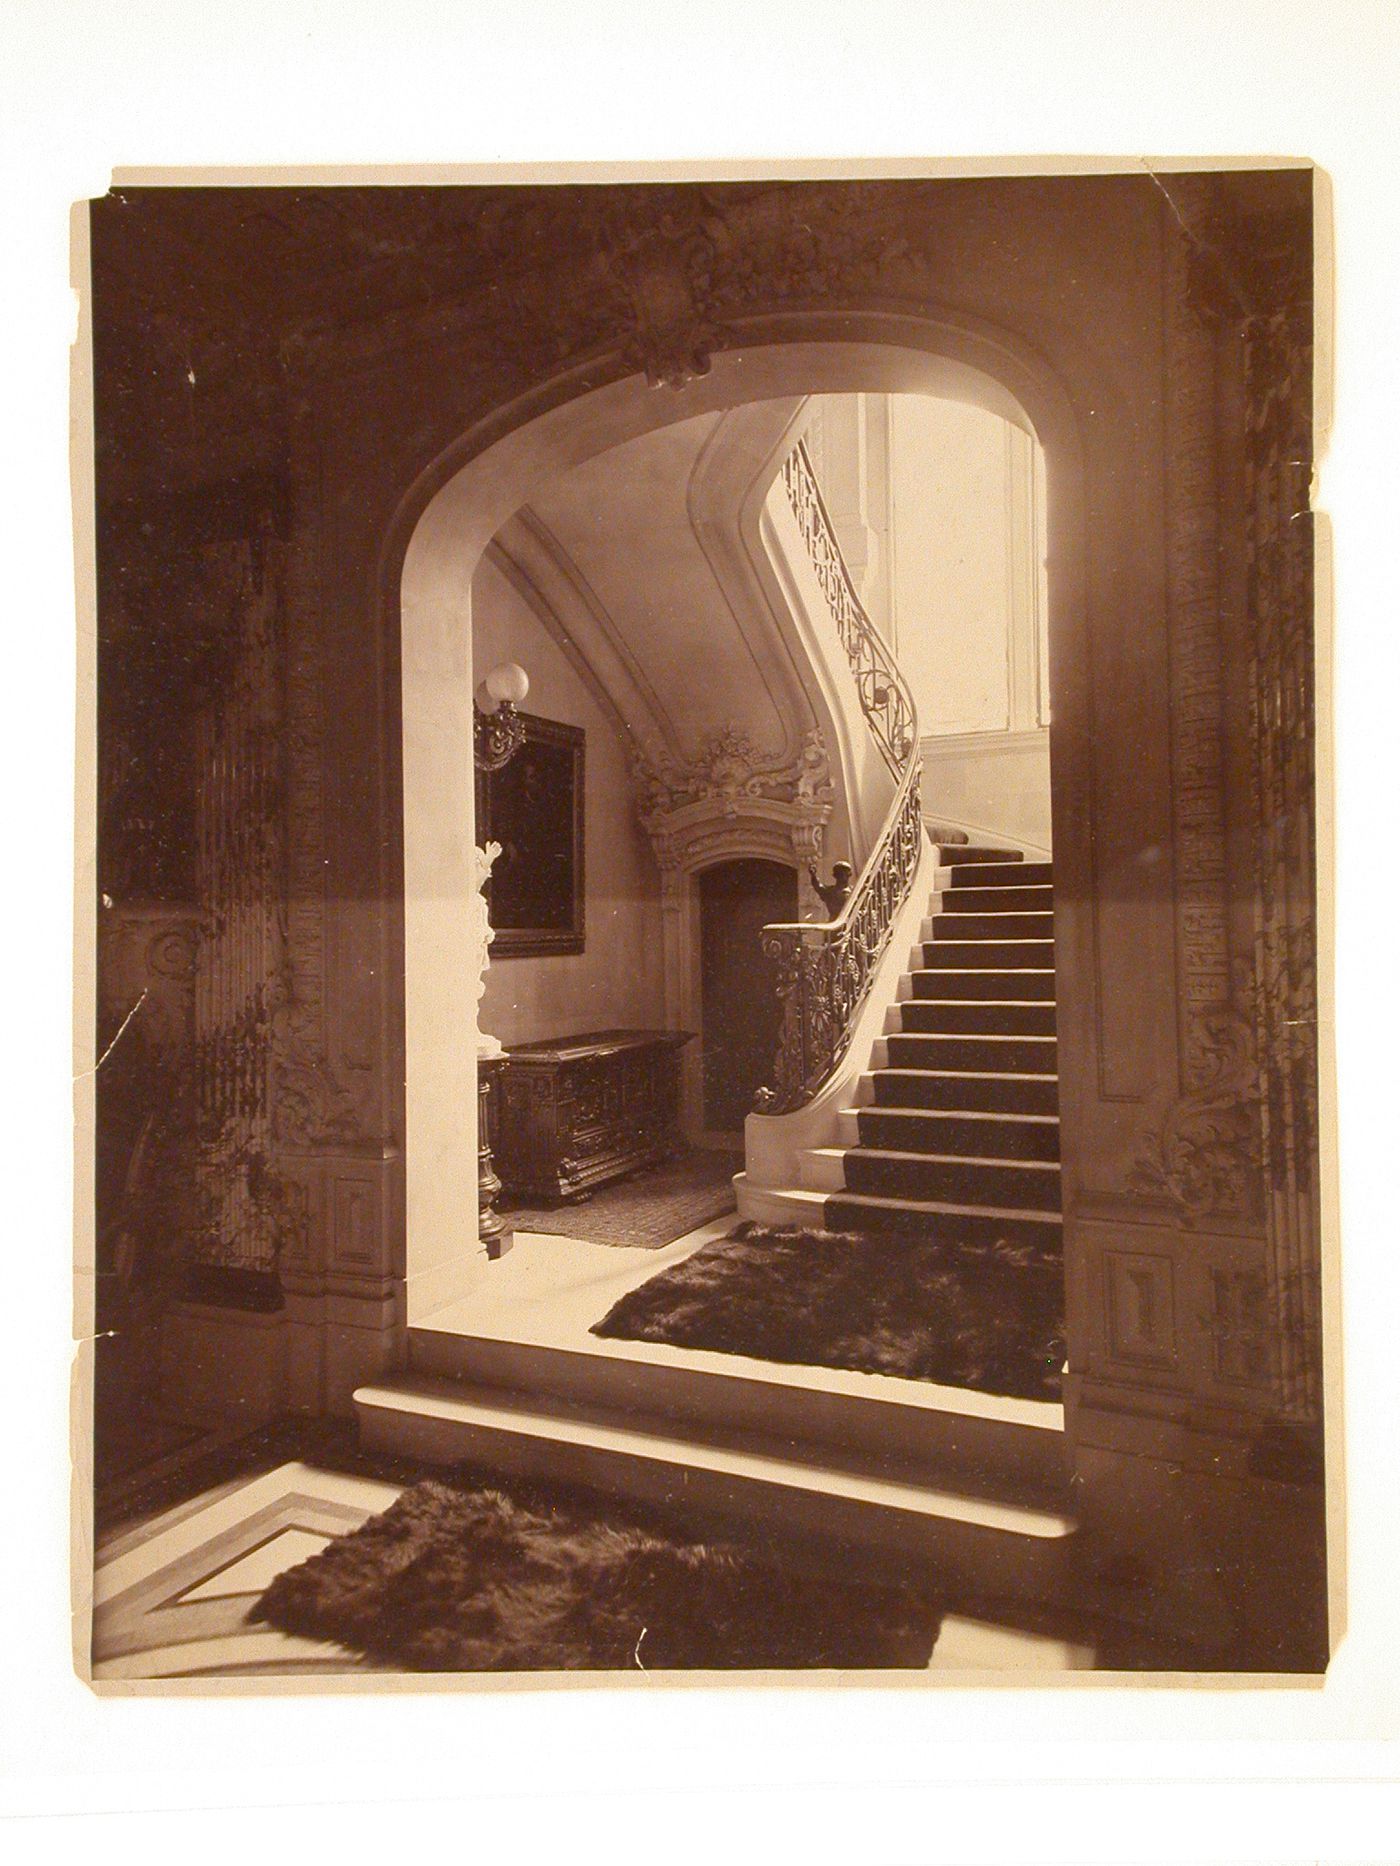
{"type": "Point", "coordinates": [738, 998]}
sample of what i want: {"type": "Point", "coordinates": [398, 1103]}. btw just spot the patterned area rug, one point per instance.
{"type": "Point", "coordinates": [477, 1574]}
{"type": "Point", "coordinates": [646, 1211]}
{"type": "Point", "coordinates": [989, 1318]}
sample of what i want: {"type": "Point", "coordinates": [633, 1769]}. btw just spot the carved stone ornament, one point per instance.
{"type": "Point", "coordinates": [664, 272]}
{"type": "Point", "coordinates": [482, 935]}
{"type": "Point", "coordinates": [311, 1106]}
{"type": "Point", "coordinates": [1203, 1157]}
{"type": "Point", "coordinates": [728, 772]}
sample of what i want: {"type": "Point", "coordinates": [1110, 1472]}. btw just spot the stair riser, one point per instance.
{"type": "Point", "coordinates": [1028, 1567]}
{"type": "Point", "coordinates": [1010, 1020]}
{"type": "Point", "coordinates": [999, 1055]}
{"type": "Point", "coordinates": [999, 900]}
{"type": "Point", "coordinates": [996, 875]}
{"type": "Point", "coordinates": [981, 955]}
{"type": "Point", "coordinates": [956, 854]}
{"type": "Point", "coordinates": [983, 985]}
{"type": "Point", "coordinates": [989, 1094]}
{"type": "Point", "coordinates": [981, 1452]}
{"type": "Point", "coordinates": [951, 925]}
{"type": "Point", "coordinates": [951, 1133]}
{"type": "Point", "coordinates": [848, 1214]}
{"type": "Point", "coordinates": [965, 1182]}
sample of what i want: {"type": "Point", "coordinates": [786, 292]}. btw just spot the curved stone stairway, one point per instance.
{"type": "Point", "coordinates": [959, 1123]}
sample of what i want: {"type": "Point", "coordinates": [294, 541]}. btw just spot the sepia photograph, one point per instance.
{"type": "Point", "coordinates": [704, 938]}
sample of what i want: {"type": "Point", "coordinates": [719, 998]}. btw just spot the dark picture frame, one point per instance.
{"type": "Point", "coordinates": [533, 806]}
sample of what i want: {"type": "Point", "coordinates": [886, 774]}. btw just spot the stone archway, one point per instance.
{"type": "Point", "coordinates": [446, 525]}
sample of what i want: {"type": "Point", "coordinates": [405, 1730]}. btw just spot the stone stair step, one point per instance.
{"type": "Point", "coordinates": [955, 854]}
{"type": "Point", "coordinates": [930, 1130]}
{"type": "Point", "coordinates": [1005, 1055]}
{"type": "Point", "coordinates": [951, 924]}
{"type": "Point", "coordinates": [1032, 1187]}
{"type": "Point", "coordinates": [1009, 954]}
{"type": "Point", "coordinates": [994, 1445]}
{"type": "Point", "coordinates": [448, 1422]}
{"type": "Point", "coordinates": [948, 1220]}
{"type": "Point", "coordinates": [998, 900]}
{"type": "Point", "coordinates": [978, 1091]}
{"type": "Point", "coordinates": [985, 1017]}
{"type": "Point", "coordinates": [993, 874]}
{"type": "Point", "coordinates": [1020, 984]}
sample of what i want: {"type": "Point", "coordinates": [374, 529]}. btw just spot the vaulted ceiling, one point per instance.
{"type": "Point", "coordinates": [692, 652]}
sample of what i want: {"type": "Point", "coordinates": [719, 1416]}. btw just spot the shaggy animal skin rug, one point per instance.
{"type": "Point", "coordinates": [989, 1318]}
{"type": "Point", "coordinates": [476, 1576]}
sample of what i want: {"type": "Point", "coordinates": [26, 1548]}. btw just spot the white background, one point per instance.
{"type": "Point", "coordinates": [1080, 1773]}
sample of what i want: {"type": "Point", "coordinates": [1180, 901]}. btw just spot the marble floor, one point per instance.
{"type": "Point", "coordinates": [171, 1595]}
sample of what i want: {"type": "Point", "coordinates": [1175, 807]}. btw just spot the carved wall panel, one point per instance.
{"type": "Point", "coordinates": [1201, 1156]}
{"type": "Point", "coordinates": [1138, 1292]}
{"type": "Point", "coordinates": [1280, 557]}
{"type": "Point", "coordinates": [249, 1209]}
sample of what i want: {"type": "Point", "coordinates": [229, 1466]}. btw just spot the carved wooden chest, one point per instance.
{"type": "Point", "coordinates": [577, 1112]}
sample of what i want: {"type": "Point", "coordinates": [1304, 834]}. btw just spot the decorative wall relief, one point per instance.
{"type": "Point", "coordinates": [1241, 1327]}
{"type": "Point", "coordinates": [728, 772]}
{"type": "Point", "coordinates": [1193, 599]}
{"type": "Point", "coordinates": [1203, 1156]}
{"type": "Point", "coordinates": [731, 799]}
{"type": "Point", "coordinates": [665, 271]}
{"type": "Point", "coordinates": [248, 1212]}
{"type": "Point", "coordinates": [1242, 1141]}
{"type": "Point", "coordinates": [1279, 555]}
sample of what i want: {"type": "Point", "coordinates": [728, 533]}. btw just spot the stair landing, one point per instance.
{"type": "Point", "coordinates": [511, 1378]}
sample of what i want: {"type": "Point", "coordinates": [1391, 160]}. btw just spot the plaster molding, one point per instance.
{"type": "Point", "coordinates": [964, 744]}
{"type": "Point", "coordinates": [732, 801]}
{"type": "Point", "coordinates": [729, 771]}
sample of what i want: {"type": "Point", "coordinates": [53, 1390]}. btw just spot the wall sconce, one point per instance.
{"type": "Point", "coordinates": [500, 731]}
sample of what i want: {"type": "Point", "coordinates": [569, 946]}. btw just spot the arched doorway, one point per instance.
{"type": "Point", "coordinates": [445, 525]}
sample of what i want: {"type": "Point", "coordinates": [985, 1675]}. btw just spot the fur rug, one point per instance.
{"type": "Point", "coordinates": [989, 1318]}
{"type": "Point", "coordinates": [477, 1576]}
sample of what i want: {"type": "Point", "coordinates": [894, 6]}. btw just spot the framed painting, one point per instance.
{"type": "Point", "coordinates": [533, 807]}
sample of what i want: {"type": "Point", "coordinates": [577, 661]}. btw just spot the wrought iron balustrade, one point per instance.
{"type": "Point", "coordinates": [825, 969]}
{"type": "Point", "coordinates": [884, 698]}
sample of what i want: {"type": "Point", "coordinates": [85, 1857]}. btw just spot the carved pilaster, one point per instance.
{"type": "Point", "coordinates": [311, 1106]}
{"type": "Point", "coordinates": [1193, 597]}
{"type": "Point", "coordinates": [1279, 552]}
{"type": "Point", "coordinates": [247, 1210]}
{"type": "Point", "coordinates": [1201, 1154]}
